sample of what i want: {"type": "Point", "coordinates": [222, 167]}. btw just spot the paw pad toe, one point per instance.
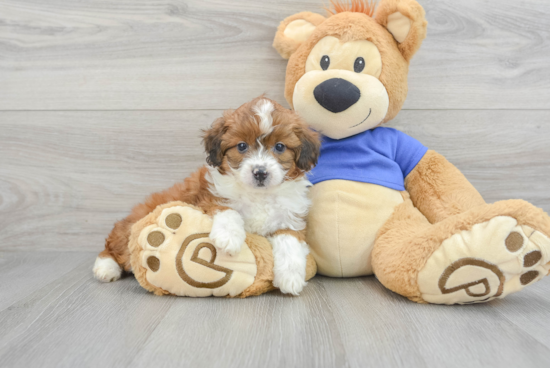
{"type": "Point", "coordinates": [173, 221]}
{"type": "Point", "coordinates": [514, 241]}
{"type": "Point", "coordinates": [153, 263]}
{"type": "Point", "coordinates": [528, 277]}
{"type": "Point", "coordinates": [532, 258]}
{"type": "Point", "coordinates": [155, 239]}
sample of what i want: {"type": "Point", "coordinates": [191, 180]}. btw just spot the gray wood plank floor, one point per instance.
{"type": "Point", "coordinates": [72, 320]}
{"type": "Point", "coordinates": [102, 102]}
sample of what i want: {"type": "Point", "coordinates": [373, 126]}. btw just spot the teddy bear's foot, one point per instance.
{"type": "Point", "coordinates": [172, 253]}
{"type": "Point", "coordinates": [488, 261]}
{"type": "Point", "coordinates": [178, 257]}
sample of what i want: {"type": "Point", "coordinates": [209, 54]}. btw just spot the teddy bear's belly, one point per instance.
{"type": "Point", "coordinates": [343, 222]}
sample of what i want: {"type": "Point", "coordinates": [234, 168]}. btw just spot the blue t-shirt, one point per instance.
{"type": "Point", "coordinates": [382, 156]}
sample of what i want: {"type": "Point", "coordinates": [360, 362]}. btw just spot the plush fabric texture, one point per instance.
{"type": "Point", "coordinates": [382, 156]}
{"type": "Point", "coordinates": [160, 265]}
{"type": "Point", "coordinates": [355, 119]}
{"type": "Point", "coordinates": [284, 43]}
{"type": "Point", "coordinates": [330, 45]}
{"type": "Point", "coordinates": [408, 240]}
{"type": "Point", "coordinates": [353, 27]}
{"type": "Point", "coordinates": [386, 13]}
{"type": "Point", "coordinates": [336, 94]}
{"type": "Point", "coordinates": [343, 223]}
{"type": "Point", "coordinates": [180, 258]}
{"type": "Point", "coordinates": [299, 30]}
{"type": "Point", "coordinates": [439, 190]}
{"type": "Point", "coordinates": [491, 260]}
{"type": "Point", "coordinates": [399, 26]}
{"type": "Point", "coordinates": [439, 204]}
{"type": "Point", "coordinates": [432, 240]}
{"type": "Point", "coordinates": [382, 203]}
{"type": "Point", "coordinates": [356, 6]}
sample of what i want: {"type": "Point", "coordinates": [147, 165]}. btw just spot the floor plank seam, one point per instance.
{"type": "Point", "coordinates": [520, 327]}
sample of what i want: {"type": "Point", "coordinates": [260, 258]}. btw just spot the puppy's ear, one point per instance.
{"type": "Point", "coordinates": [212, 140]}
{"type": "Point", "coordinates": [406, 21]}
{"type": "Point", "coordinates": [294, 30]}
{"type": "Point", "coordinates": [309, 150]}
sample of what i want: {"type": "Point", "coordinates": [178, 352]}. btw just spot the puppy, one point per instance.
{"type": "Point", "coordinates": [254, 182]}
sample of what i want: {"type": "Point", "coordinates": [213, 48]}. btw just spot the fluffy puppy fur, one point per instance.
{"type": "Point", "coordinates": [254, 182]}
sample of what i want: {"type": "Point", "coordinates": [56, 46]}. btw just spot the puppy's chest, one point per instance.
{"type": "Point", "coordinates": [265, 215]}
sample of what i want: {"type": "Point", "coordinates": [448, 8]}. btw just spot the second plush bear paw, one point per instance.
{"type": "Point", "coordinates": [491, 260]}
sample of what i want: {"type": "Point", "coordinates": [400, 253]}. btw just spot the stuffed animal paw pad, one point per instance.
{"type": "Point", "coordinates": [491, 260]}
{"type": "Point", "coordinates": [178, 256]}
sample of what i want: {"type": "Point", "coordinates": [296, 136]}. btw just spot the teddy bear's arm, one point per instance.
{"type": "Point", "coordinates": [439, 190]}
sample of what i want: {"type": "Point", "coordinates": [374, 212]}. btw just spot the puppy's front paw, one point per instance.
{"type": "Point", "coordinates": [289, 255]}
{"type": "Point", "coordinates": [228, 233]}
{"type": "Point", "coordinates": [290, 282]}
{"type": "Point", "coordinates": [228, 241]}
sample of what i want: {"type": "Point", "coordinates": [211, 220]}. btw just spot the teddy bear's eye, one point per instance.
{"type": "Point", "coordinates": [325, 62]}
{"type": "Point", "coordinates": [359, 65]}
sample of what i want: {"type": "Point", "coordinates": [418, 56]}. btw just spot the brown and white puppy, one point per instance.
{"type": "Point", "coordinates": [254, 182]}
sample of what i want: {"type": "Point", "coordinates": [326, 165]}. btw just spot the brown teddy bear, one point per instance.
{"type": "Point", "coordinates": [383, 204]}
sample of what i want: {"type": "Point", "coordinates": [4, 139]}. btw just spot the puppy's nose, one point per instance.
{"type": "Point", "coordinates": [336, 94]}
{"type": "Point", "coordinates": [260, 173]}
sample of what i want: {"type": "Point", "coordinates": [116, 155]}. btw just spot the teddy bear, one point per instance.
{"type": "Point", "coordinates": [382, 203]}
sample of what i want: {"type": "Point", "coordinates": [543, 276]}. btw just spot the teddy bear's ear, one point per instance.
{"type": "Point", "coordinates": [294, 30]}
{"type": "Point", "coordinates": [406, 21]}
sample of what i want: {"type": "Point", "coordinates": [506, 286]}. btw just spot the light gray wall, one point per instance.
{"type": "Point", "coordinates": [101, 102]}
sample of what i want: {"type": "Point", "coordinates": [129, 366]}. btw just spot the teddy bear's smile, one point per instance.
{"type": "Point", "coordinates": [356, 125]}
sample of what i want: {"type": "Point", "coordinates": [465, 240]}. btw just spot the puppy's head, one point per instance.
{"type": "Point", "coordinates": [261, 144]}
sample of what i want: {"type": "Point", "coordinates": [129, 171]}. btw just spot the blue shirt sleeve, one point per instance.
{"type": "Point", "coordinates": [408, 152]}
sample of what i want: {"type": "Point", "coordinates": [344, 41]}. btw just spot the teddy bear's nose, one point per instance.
{"type": "Point", "coordinates": [336, 94]}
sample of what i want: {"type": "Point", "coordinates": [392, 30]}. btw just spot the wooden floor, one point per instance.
{"type": "Point", "coordinates": [101, 103]}
{"type": "Point", "coordinates": [54, 314]}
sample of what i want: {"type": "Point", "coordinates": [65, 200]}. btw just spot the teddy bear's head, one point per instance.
{"type": "Point", "coordinates": [347, 73]}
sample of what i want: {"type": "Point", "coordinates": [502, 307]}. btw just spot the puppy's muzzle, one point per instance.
{"type": "Point", "coordinates": [336, 94]}
{"type": "Point", "coordinates": [260, 175]}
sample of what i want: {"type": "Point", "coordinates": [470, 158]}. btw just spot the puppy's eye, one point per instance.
{"type": "Point", "coordinates": [242, 147]}
{"type": "Point", "coordinates": [325, 62]}
{"type": "Point", "coordinates": [359, 65]}
{"type": "Point", "coordinates": [280, 148]}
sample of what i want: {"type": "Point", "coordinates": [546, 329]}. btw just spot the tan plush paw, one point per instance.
{"type": "Point", "coordinates": [491, 260]}
{"type": "Point", "coordinates": [179, 257]}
